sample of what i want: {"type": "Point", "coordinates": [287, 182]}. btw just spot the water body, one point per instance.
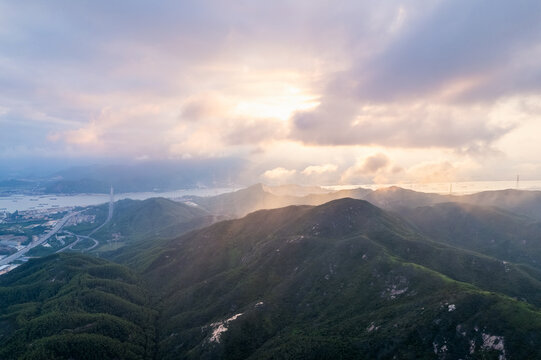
{"type": "Point", "coordinates": [24, 202]}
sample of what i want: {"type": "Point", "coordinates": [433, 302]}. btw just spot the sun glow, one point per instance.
{"type": "Point", "coordinates": [277, 107]}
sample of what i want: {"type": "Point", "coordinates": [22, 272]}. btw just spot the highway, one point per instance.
{"type": "Point", "coordinates": [96, 242]}
{"type": "Point", "coordinates": [109, 215]}
{"type": "Point", "coordinates": [59, 225]}
{"type": "Point", "coordinates": [79, 238]}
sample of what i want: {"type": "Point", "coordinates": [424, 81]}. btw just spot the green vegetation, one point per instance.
{"type": "Point", "coordinates": [73, 306]}
{"type": "Point", "coordinates": [153, 217]}
{"type": "Point", "coordinates": [344, 280]}
{"type": "Point", "coordinates": [486, 230]}
{"type": "Point", "coordinates": [51, 246]}
{"type": "Point", "coordinates": [100, 212]}
{"type": "Point", "coordinates": [136, 220]}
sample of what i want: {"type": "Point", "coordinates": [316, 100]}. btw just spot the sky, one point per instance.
{"type": "Point", "coordinates": [305, 91]}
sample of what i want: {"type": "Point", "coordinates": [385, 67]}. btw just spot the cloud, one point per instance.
{"type": "Point", "coordinates": [255, 131]}
{"type": "Point", "coordinates": [198, 79]}
{"type": "Point", "coordinates": [203, 107]}
{"type": "Point", "coordinates": [433, 81]}
{"type": "Point", "coordinates": [374, 163]}
{"type": "Point", "coordinates": [431, 172]}
{"type": "Point", "coordinates": [279, 174]}
{"type": "Point", "coordinates": [373, 168]}
{"type": "Point", "coordinates": [411, 125]}
{"type": "Point", "coordinates": [319, 169]}
{"type": "Point", "coordinates": [87, 136]}
{"type": "Point", "coordinates": [455, 40]}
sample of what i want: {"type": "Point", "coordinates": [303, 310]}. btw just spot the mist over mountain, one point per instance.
{"type": "Point", "coordinates": [128, 176]}
{"type": "Point", "coordinates": [260, 196]}
{"type": "Point", "coordinates": [146, 176]}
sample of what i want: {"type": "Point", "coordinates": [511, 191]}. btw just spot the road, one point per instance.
{"type": "Point", "coordinates": [96, 242]}
{"type": "Point", "coordinates": [79, 238]}
{"type": "Point", "coordinates": [109, 215]}
{"type": "Point", "coordinates": [59, 225]}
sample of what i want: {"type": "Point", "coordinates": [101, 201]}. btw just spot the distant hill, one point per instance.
{"type": "Point", "coordinates": [80, 186]}
{"type": "Point", "coordinates": [294, 190]}
{"type": "Point", "coordinates": [154, 216]}
{"type": "Point", "coordinates": [521, 202]}
{"type": "Point", "coordinates": [243, 201]}
{"type": "Point", "coordinates": [259, 196]}
{"type": "Point", "coordinates": [148, 219]}
{"type": "Point", "coordinates": [486, 230]}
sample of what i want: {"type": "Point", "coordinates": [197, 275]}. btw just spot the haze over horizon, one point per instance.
{"type": "Point", "coordinates": [310, 92]}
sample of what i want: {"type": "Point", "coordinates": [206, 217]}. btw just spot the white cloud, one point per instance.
{"type": "Point", "coordinates": [319, 169]}
{"type": "Point", "coordinates": [189, 79]}
{"type": "Point", "coordinates": [279, 174]}
{"type": "Point", "coordinates": [373, 168]}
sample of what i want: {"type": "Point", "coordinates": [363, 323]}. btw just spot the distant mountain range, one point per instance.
{"type": "Point", "coordinates": [428, 278]}
{"type": "Point", "coordinates": [260, 196]}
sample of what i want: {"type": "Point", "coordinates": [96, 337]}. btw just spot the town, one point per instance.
{"type": "Point", "coordinates": [36, 232]}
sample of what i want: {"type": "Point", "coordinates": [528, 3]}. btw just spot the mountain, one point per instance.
{"type": "Point", "coordinates": [396, 198]}
{"type": "Point", "coordinates": [74, 307]}
{"type": "Point", "coordinates": [342, 278]}
{"type": "Point", "coordinates": [154, 217]}
{"type": "Point", "coordinates": [294, 190]}
{"type": "Point", "coordinates": [79, 186]}
{"type": "Point", "coordinates": [144, 220]}
{"type": "Point", "coordinates": [486, 230]}
{"type": "Point", "coordinates": [259, 196]}
{"type": "Point", "coordinates": [242, 202]}
{"type": "Point", "coordinates": [521, 202]}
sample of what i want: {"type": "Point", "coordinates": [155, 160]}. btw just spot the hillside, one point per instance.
{"type": "Point", "coordinates": [342, 278]}
{"type": "Point", "coordinates": [154, 216]}
{"type": "Point", "coordinates": [135, 220]}
{"type": "Point", "coordinates": [73, 306]}
{"type": "Point", "coordinates": [258, 197]}
{"type": "Point", "coordinates": [486, 230]}
{"type": "Point", "coordinates": [521, 202]}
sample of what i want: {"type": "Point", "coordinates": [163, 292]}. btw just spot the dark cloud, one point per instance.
{"type": "Point", "coordinates": [425, 126]}
{"type": "Point", "coordinates": [428, 77]}
{"type": "Point", "coordinates": [456, 40]}
{"type": "Point", "coordinates": [375, 162]}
